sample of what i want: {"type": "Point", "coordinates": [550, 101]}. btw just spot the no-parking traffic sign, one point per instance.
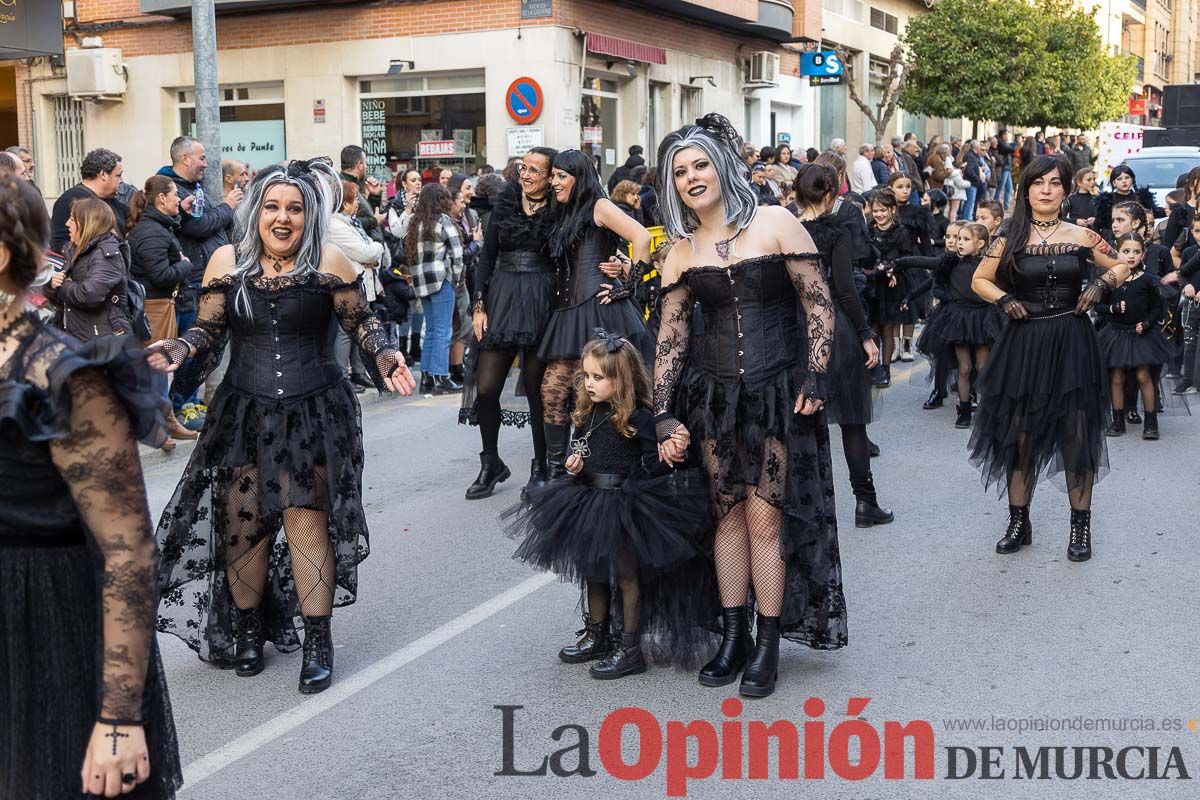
{"type": "Point", "coordinates": [524, 100]}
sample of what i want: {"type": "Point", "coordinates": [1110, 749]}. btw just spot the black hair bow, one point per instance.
{"type": "Point", "coordinates": [612, 340]}
{"type": "Point", "coordinates": [719, 126]}
{"type": "Point", "coordinates": [300, 167]}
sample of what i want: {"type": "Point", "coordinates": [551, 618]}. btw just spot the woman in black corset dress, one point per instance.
{"type": "Point", "coordinates": [750, 396]}
{"type": "Point", "coordinates": [591, 290]}
{"type": "Point", "coordinates": [283, 441]}
{"type": "Point", "coordinates": [514, 289]}
{"type": "Point", "coordinates": [83, 702]}
{"type": "Point", "coordinates": [1044, 392]}
{"type": "Point", "coordinates": [856, 348]}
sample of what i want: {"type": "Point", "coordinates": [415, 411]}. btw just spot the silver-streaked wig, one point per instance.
{"type": "Point", "coordinates": [723, 148]}
{"type": "Point", "coordinates": [320, 192]}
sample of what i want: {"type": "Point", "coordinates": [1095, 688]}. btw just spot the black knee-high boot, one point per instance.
{"type": "Point", "coordinates": [556, 450]}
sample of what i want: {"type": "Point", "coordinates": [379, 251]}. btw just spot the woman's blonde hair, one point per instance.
{"type": "Point", "coordinates": [626, 191]}
{"type": "Point", "coordinates": [631, 384]}
{"type": "Point", "coordinates": [93, 219]}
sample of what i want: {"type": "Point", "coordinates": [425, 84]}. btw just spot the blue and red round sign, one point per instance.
{"type": "Point", "coordinates": [524, 100]}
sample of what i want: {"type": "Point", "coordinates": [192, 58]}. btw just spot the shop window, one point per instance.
{"type": "Point", "coordinates": [598, 122]}
{"type": "Point", "coordinates": [689, 104]}
{"type": "Point", "coordinates": [252, 123]}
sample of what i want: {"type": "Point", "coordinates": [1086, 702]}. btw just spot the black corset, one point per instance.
{"type": "Point", "coordinates": [582, 281]}
{"type": "Point", "coordinates": [287, 349]}
{"type": "Point", "coordinates": [1049, 279]}
{"type": "Point", "coordinates": [751, 330]}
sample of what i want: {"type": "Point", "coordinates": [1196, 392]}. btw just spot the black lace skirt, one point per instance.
{"type": "Point", "coordinates": [254, 459]}
{"type": "Point", "coordinates": [1043, 402]}
{"type": "Point", "coordinates": [661, 525]}
{"type": "Point", "coordinates": [572, 328]}
{"type": "Point", "coordinates": [1125, 347]}
{"type": "Point", "coordinates": [48, 646]}
{"type": "Point", "coordinates": [756, 439]}
{"type": "Point", "coordinates": [852, 401]}
{"type": "Point", "coordinates": [960, 323]}
{"type": "Point", "coordinates": [518, 308]}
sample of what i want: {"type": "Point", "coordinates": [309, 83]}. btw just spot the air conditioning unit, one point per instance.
{"type": "Point", "coordinates": [97, 74]}
{"type": "Point", "coordinates": [764, 68]}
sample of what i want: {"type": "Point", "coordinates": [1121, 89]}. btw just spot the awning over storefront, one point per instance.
{"type": "Point", "coordinates": [623, 48]}
{"type": "Point", "coordinates": [30, 28]}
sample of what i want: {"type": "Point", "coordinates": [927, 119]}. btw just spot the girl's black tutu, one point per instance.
{"type": "Point", "coordinates": [954, 323]}
{"type": "Point", "coordinates": [572, 328]}
{"type": "Point", "coordinates": [1045, 384]}
{"type": "Point", "coordinates": [662, 524]}
{"type": "Point", "coordinates": [1124, 347]}
{"type": "Point", "coordinates": [852, 399]}
{"type": "Point", "coordinates": [304, 453]}
{"type": "Point", "coordinates": [744, 425]}
{"type": "Point", "coordinates": [518, 309]}
{"type": "Point", "coordinates": [889, 300]}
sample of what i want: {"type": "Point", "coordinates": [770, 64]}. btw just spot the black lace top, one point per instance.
{"type": "Point", "coordinates": [752, 325]}
{"type": "Point", "coordinates": [283, 343]}
{"type": "Point", "coordinates": [70, 473]}
{"type": "Point", "coordinates": [510, 232]}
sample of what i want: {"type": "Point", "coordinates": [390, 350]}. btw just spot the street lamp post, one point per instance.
{"type": "Point", "coordinates": [208, 100]}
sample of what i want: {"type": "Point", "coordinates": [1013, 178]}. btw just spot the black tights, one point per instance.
{"type": "Point", "coordinates": [1022, 480]}
{"type": "Point", "coordinates": [857, 448]}
{"type": "Point", "coordinates": [963, 353]}
{"type": "Point", "coordinates": [491, 370]}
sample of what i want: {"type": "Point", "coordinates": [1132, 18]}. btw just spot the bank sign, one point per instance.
{"type": "Point", "coordinates": [30, 28]}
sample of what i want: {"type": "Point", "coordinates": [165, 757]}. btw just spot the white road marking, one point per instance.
{"type": "Point", "coordinates": [272, 729]}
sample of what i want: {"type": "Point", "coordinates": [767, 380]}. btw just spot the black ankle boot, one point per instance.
{"type": "Point", "coordinates": [414, 347]}
{"type": "Point", "coordinates": [872, 449]}
{"type": "Point", "coordinates": [964, 415]}
{"type": "Point", "coordinates": [594, 643]}
{"type": "Point", "coordinates": [1117, 426]}
{"type": "Point", "coordinates": [444, 384]}
{"type": "Point", "coordinates": [1133, 416]}
{"type": "Point", "coordinates": [759, 678]}
{"type": "Point", "coordinates": [556, 451]}
{"type": "Point", "coordinates": [457, 373]}
{"type": "Point", "coordinates": [537, 477]}
{"type": "Point", "coordinates": [491, 471]}
{"type": "Point", "coordinates": [249, 660]}
{"type": "Point", "coordinates": [625, 659]}
{"type": "Point", "coordinates": [867, 511]}
{"type": "Point", "coordinates": [1019, 533]}
{"type": "Point", "coordinates": [1150, 430]}
{"type": "Point", "coordinates": [935, 400]}
{"type": "Point", "coordinates": [1079, 548]}
{"type": "Point", "coordinates": [426, 383]}
{"type": "Point", "coordinates": [735, 648]}
{"type": "Point", "coordinates": [316, 672]}
{"type": "Point", "coordinates": [885, 379]}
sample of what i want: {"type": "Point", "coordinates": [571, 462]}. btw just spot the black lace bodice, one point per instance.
{"type": "Point", "coordinates": [70, 472]}
{"type": "Point", "coordinates": [581, 279]}
{"type": "Point", "coordinates": [752, 324]}
{"type": "Point", "coordinates": [1048, 278]}
{"type": "Point", "coordinates": [613, 453]}
{"type": "Point", "coordinates": [283, 345]}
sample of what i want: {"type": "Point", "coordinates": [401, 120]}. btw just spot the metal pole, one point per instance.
{"type": "Point", "coordinates": [208, 99]}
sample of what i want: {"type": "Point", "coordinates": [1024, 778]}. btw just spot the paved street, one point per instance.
{"type": "Point", "coordinates": [941, 628]}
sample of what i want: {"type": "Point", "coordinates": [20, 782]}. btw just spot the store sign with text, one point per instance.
{"type": "Point", "coordinates": [30, 28]}
{"type": "Point", "coordinates": [440, 149]}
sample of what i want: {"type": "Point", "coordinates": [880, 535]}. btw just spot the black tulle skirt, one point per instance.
{"type": "Point", "coordinates": [888, 308]}
{"type": "Point", "coordinates": [853, 397]}
{"type": "Point", "coordinates": [659, 526]}
{"type": "Point", "coordinates": [572, 328]}
{"type": "Point", "coordinates": [760, 441]}
{"type": "Point", "coordinates": [254, 459]}
{"type": "Point", "coordinates": [1125, 347]}
{"type": "Point", "coordinates": [518, 309]}
{"type": "Point", "coordinates": [1043, 403]}
{"type": "Point", "coordinates": [954, 323]}
{"type": "Point", "coordinates": [48, 646]}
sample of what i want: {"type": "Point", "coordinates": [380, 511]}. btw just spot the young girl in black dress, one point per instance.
{"type": "Point", "coordinates": [922, 229]}
{"type": "Point", "coordinates": [1132, 340]}
{"type": "Point", "coordinates": [893, 241]}
{"type": "Point", "coordinates": [622, 522]}
{"type": "Point", "coordinates": [940, 364]}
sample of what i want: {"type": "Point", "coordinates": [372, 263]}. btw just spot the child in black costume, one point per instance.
{"type": "Point", "coordinates": [1132, 339]}
{"type": "Point", "coordinates": [940, 366]}
{"type": "Point", "coordinates": [893, 241]}
{"type": "Point", "coordinates": [623, 522]}
{"type": "Point", "coordinates": [922, 228]}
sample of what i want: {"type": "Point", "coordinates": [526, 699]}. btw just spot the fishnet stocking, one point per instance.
{"type": "Point", "coordinates": [313, 565]}
{"type": "Point", "coordinates": [557, 389]}
{"type": "Point", "coordinates": [247, 551]}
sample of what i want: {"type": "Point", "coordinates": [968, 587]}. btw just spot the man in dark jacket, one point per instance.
{"type": "Point", "coordinates": [973, 172]}
{"type": "Point", "coordinates": [101, 172]}
{"type": "Point", "coordinates": [622, 172]}
{"type": "Point", "coordinates": [203, 227]}
{"type": "Point", "coordinates": [1080, 154]}
{"type": "Point", "coordinates": [370, 191]}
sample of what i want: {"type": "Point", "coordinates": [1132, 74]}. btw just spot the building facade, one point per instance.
{"type": "Point", "coordinates": [420, 82]}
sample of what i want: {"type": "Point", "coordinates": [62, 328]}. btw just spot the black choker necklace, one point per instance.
{"type": "Point", "coordinates": [1044, 224]}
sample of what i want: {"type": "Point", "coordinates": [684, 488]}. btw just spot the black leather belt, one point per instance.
{"type": "Point", "coordinates": [522, 261]}
{"type": "Point", "coordinates": [63, 539]}
{"type": "Point", "coordinates": [603, 480]}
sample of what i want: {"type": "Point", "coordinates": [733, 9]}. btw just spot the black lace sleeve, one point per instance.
{"type": "Point", "coordinates": [99, 461]}
{"type": "Point", "coordinates": [813, 291]}
{"type": "Point", "coordinates": [674, 334]}
{"type": "Point", "coordinates": [357, 319]}
{"type": "Point", "coordinates": [201, 346]}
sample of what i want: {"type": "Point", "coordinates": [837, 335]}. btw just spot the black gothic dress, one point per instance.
{"type": "Point", "coordinates": [63, 562]}
{"type": "Point", "coordinates": [284, 430]}
{"type": "Point", "coordinates": [628, 511]}
{"type": "Point", "coordinates": [1121, 344]}
{"type": "Point", "coordinates": [1044, 391]}
{"type": "Point", "coordinates": [887, 307]}
{"type": "Point", "coordinates": [768, 333]}
{"type": "Point", "coordinates": [964, 318]}
{"type": "Point", "coordinates": [578, 312]}
{"type": "Point", "coordinates": [514, 284]}
{"type": "Point", "coordinates": [852, 397]}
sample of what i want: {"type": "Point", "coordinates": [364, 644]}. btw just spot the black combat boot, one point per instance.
{"type": "Point", "coordinates": [594, 643]}
{"type": "Point", "coordinates": [316, 671]}
{"type": "Point", "coordinates": [626, 658]}
{"type": "Point", "coordinates": [1079, 548]}
{"type": "Point", "coordinates": [491, 472]}
{"type": "Point", "coordinates": [249, 661]}
{"type": "Point", "coordinates": [1019, 533]}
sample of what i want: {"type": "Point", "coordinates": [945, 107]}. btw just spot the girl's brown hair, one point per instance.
{"type": "Point", "coordinates": [349, 192]}
{"type": "Point", "coordinates": [631, 385]}
{"type": "Point", "coordinates": [93, 220]}
{"type": "Point", "coordinates": [24, 229]}
{"type": "Point", "coordinates": [1136, 213]}
{"type": "Point", "coordinates": [625, 191]}
{"type": "Point", "coordinates": [432, 203]}
{"type": "Point", "coordinates": [896, 177]}
{"type": "Point", "coordinates": [155, 185]}
{"type": "Point", "coordinates": [1079, 176]}
{"type": "Point", "coordinates": [887, 199]}
{"type": "Point", "coordinates": [978, 231]}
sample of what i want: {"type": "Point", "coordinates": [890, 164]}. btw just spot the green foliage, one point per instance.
{"type": "Point", "coordinates": [1021, 63]}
